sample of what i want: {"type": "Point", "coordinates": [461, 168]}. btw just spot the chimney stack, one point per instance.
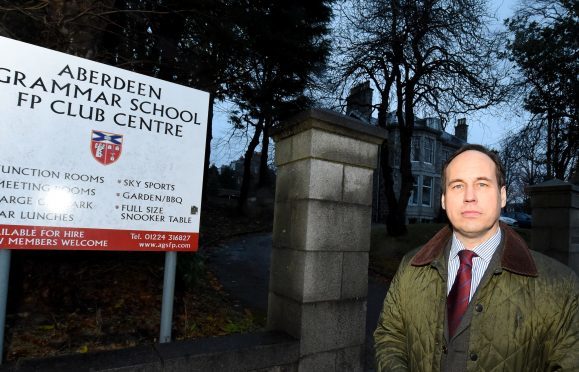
{"type": "Point", "coordinates": [359, 102]}
{"type": "Point", "coordinates": [461, 130]}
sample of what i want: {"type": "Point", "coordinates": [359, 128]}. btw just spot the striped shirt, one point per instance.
{"type": "Point", "coordinates": [480, 263]}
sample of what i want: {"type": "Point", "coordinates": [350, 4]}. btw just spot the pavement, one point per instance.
{"type": "Point", "coordinates": [242, 266]}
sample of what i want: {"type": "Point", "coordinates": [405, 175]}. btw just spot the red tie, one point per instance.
{"type": "Point", "coordinates": [457, 300]}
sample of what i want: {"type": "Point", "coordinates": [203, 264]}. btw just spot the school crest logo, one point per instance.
{"type": "Point", "coordinates": [106, 147]}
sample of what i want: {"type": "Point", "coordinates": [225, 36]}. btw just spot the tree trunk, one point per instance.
{"type": "Point", "coordinates": [264, 180]}
{"type": "Point", "coordinates": [549, 145]}
{"type": "Point", "coordinates": [407, 181]}
{"type": "Point", "coordinates": [208, 138]}
{"type": "Point", "coordinates": [396, 218]}
{"type": "Point", "coordinates": [385, 170]}
{"type": "Point", "coordinates": [246, 180]}
{"type": "Point", "coordinates": [394, 225]}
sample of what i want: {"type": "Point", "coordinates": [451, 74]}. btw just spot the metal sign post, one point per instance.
{"type": "Point", "coordinates": [168, 292]}
{"type": "Point", "coordinates": [4, 275]}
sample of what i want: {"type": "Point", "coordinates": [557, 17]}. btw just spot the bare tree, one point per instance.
{"type": "Point", "coordinates": [523, 156]}
{"type": "Point", "coordinates": [434, 56]}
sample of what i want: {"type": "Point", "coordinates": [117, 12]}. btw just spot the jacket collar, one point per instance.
{"type": "Point", "coordinates": [516, 256]}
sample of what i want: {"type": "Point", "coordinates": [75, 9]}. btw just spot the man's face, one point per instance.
{"type": "Point", "coordinates": [473, 200]}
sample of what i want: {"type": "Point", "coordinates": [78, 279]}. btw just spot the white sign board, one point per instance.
{"type": "Point", "coordinates": [95, 157]}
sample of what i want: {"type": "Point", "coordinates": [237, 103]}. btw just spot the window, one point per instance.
{"type": "Point", "coordinates": [414, 195]}
{"type": "Point", "coordinates": [426, 191]}
{"type": "Point", "coordinates": [429, 150]}
{"type": "Point", "coordinates": [415, 156]}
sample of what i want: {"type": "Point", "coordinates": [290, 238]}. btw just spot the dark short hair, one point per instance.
{"type": "Point", "coordinates": [499, 169]}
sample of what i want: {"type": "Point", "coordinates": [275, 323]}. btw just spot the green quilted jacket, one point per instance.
{"type": "Point", "coordinates": [528, 319]}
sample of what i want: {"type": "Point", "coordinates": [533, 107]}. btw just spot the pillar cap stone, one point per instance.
{"type": "Point", "coordinates": [329, 121]}
{"type": "Point", "coordinates": [552, 185]}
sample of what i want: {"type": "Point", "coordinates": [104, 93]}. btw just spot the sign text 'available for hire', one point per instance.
{"type": "Point", "coordinates": [94, 157]}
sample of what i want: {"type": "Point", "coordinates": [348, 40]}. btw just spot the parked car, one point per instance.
{"type": "Point", "coordinates": [523, 219]}
{"type": "Point", "coordinates": [508, 220]}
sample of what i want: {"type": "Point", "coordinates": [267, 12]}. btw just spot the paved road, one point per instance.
{"type": "Point", "coordinates": [242, 266]}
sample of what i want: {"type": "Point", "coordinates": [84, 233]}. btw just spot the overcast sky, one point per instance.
{"type": "Point", "coordinates": [489, 126]}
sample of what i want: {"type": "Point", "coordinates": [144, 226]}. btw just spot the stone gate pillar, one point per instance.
{"type": "Point", "coordinates": [556, 221]}
{"type": "Point", "coordinates": [321, 237]}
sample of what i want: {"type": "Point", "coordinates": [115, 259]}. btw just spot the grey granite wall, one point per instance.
{"type": "Point", "coordinates": [556, 221]}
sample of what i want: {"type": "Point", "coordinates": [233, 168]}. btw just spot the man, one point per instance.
{"type": "Point", "coordinates": [474, 297]}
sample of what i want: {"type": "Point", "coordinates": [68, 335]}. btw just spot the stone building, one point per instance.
{"type": "Point", "coordinates": [431, 146]}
